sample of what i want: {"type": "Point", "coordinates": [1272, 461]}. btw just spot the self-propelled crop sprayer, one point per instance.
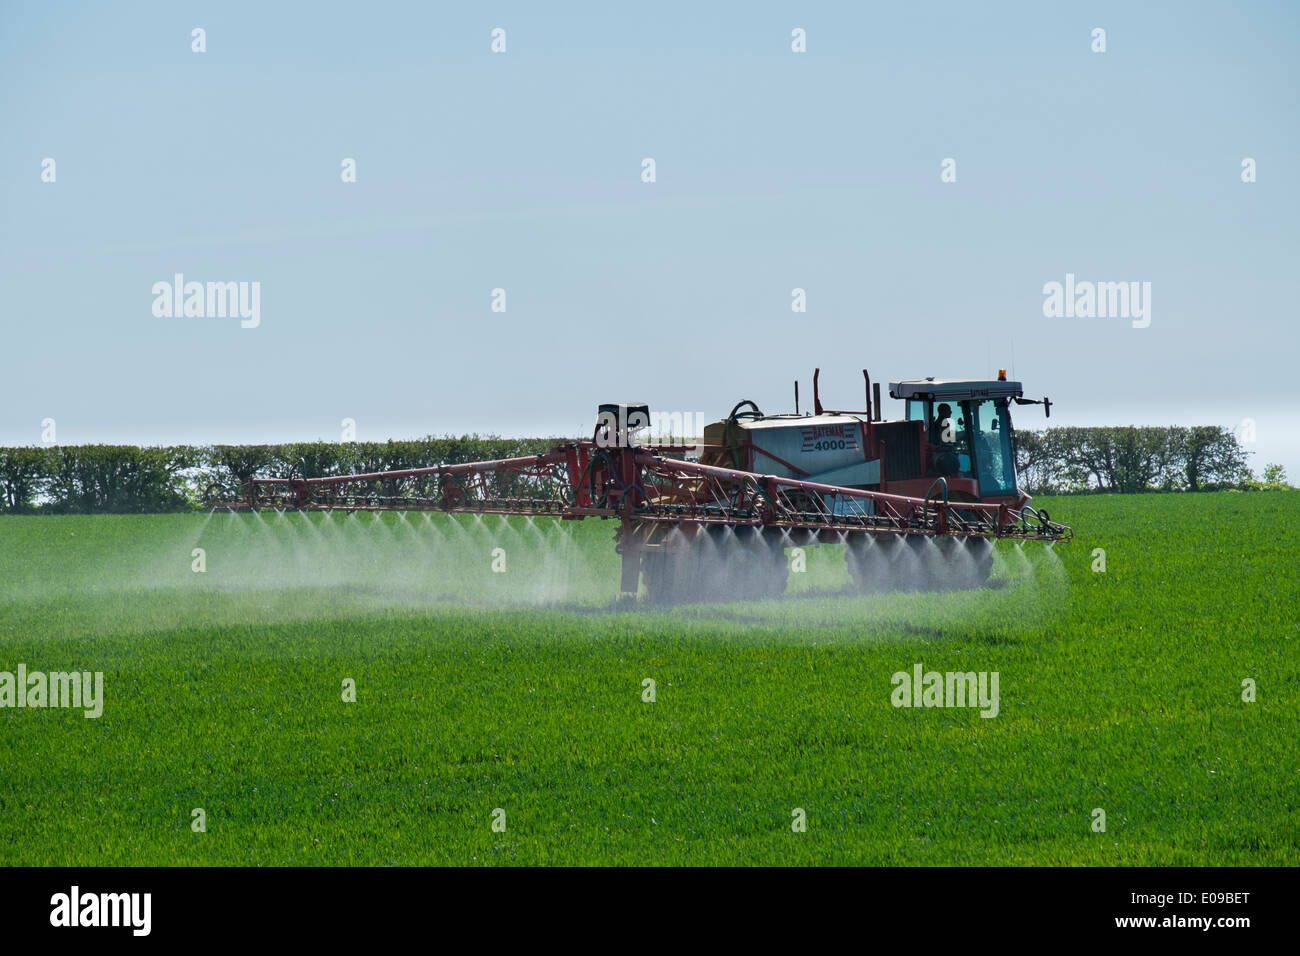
{"type": "Point", "coordinates": [917, 502]}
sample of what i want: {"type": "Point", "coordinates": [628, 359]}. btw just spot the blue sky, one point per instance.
{"type": "Point", "coordinates": [522, 171]}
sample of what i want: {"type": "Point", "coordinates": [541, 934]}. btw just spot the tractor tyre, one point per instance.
{"type": "Point", "coordinates": [718, 565]}
{"type": "Point", "coordinates": [873, 561]}
{"type": "Point", "coordinates": [740, 565]}
{"type": "Point", "coordinates": [667, 576]}
{"type": "Point", "coordinates": [757, 566]}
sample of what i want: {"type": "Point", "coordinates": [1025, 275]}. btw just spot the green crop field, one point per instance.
{"type": "Point", "coordinates": [516, 695]}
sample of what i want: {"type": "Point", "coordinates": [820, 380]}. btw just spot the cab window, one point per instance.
{"type": "Point", "coordinates": [990, 429]}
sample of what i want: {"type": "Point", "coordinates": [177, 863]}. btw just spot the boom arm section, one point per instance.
{"type": "Point", "coordinates": [644, 487]}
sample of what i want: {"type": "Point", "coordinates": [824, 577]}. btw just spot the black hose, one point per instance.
{"type": "Point", "coordinates": [938, 483]}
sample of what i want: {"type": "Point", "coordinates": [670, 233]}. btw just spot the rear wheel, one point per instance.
{"type": "Point", "coordinates": [666, 580]}
{"type": "Point", "coordinates": [873, 561]}
{"type": "Point", "coordinates": [718, 564]}
{"type": "Point", "coordinates": [753, 564]}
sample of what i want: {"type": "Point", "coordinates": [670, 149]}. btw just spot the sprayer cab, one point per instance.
{"type": "Point", "coordinates": [959, 430]}
{"type": "Point", "coordinates": [967, 432]}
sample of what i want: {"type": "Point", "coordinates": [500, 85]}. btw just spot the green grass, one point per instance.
{"type": "Point", "coordinates": [522, 691]}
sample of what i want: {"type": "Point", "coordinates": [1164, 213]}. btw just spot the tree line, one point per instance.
{"type": "Point", "coordinates": [1130, 460]}
{"type": "Point", "coordinates": [126, 479]}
